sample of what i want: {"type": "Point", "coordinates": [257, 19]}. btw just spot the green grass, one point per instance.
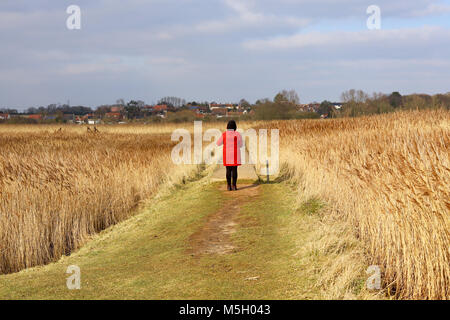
{"type": "Point", "coordinates": [312, 206]}
{"type": "Point", "coordinates": [146, 257]}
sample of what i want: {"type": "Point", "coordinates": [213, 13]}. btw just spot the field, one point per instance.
{"type": "Point", "coordinates": [378, 188]}
{"type": "Point", "coordinates": [389, 177]}
{"type": "Point", "coordinates": [60, 187]}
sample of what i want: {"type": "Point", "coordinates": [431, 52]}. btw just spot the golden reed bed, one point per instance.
{"type": "Point", "coordinates": [388, 176]}
{"type": "Point", "coordinates": [59, 187]}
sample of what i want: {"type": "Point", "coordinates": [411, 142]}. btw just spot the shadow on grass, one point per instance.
{"type": "Point", "coordinates": [277, 180]}
{"type": "Point", "coordinates": [254, 185]}
{"type": "Point", "coordinates": [312, 206]}
{"type": "Point", "coordinates": [284, 175]}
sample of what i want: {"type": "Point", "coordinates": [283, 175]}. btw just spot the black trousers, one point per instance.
{"type": "Point", "coordinates": [232, 173]}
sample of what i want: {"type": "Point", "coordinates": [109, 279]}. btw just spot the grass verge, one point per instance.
{"type": "Point", "coordinates": [147, 256]}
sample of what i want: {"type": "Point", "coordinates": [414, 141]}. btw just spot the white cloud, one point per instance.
{"type": "Point", "coordinates": [154, 47]}
{"type": "Point", "coordinates": [431, 10]}
{"type": "Point", "coordinates": [244, 12]}
{"type": "Point", "coordinates": [101, 66]}
{"type": "Point", "coordinates": [244, 17]}
{"type": "Point", "coordinates": [338, 9]}
{"type": "Point", "coordinates": [167, 60]}
{"type": "Point", "coordinates": [374, 64]}
{"type": "Point", "coordinates": [250, 16]}
{"type": "Point", "coordinates": [348, 38]}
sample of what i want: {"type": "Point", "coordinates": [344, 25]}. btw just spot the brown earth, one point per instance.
{"type": "Point", "coordinates": [214, 237]}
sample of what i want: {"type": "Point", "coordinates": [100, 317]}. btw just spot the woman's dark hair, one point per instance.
{"type": "Point", "coordinates": [231, 125]}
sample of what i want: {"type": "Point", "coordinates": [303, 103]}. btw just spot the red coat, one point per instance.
{"type": "Point", "coordinates": [232, 144]}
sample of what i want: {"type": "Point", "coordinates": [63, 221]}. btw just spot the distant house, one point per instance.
{"type": "Point", "coordinates": [302, 107]}
{"type": "Point", "coordinates": [160, 108]}
{"type": "Point", "coordinates": [69, 117]}
{"type": "Point", "coordinates": [147, 109]}
{"type": "Point", "coordinates": [93, 121]}
{"type": "Point", "coordinates": [203, 109]}
{"type": "Point", "coordinates": [213, 106]}
{"type": "Point", "coordinates": [310, 107]}
{"type": "Point", "coordinates": [79, 119]}
{"type": "Point", "coordinates": [34, 116]}
{"type": "Point", "coordinates": [117, 108]}
{"type": "Point", "coordinates": [114, 115]}
{"type": "Point", "coordinates": [89, 118]}
{"type": "Point", "coordinates": [50, 117]}
{"type": "Point", "coordinates": [4, 116]}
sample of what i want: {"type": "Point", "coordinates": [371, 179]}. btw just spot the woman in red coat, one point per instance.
{"type": "Point", "coordinates": [232, 144]}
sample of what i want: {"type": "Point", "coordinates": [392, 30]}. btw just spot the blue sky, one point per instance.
{"type": "Point", "coordinates": [218, 50]}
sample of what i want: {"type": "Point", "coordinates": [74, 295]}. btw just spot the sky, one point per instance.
{"type": "Point", "coordinates": [218, 50]}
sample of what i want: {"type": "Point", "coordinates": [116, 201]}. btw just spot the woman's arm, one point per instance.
{"type": "Point", "coordinates": [220, 141]}
{"type": "Point", "coordinates": [239, 142]}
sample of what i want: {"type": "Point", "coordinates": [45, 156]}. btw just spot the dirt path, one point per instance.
{"type": "Point", "coordinates": [199, 242]}
{"type": "Point", "coordinates": [214, 235]}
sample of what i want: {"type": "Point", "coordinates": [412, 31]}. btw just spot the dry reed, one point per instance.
{"type": "Point", "coordinates": [57, 188]}
{"type": "Point", "coordinates": [388, 177]}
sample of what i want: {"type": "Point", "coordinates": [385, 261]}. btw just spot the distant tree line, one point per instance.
{"type": "Point", "coordinates": [358, 103]}
{"type": "Point", "coordinates": [285, 105]}
{"type": "Point", "coordinates": [8, 110]}
{"type": "Point", "coordinates": [173, 102]}
{"type": "Point", "coordinates": [55, 109]}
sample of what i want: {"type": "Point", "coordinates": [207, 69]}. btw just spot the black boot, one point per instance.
{"type": "Point", "coordinates": [234, 187]}
{"type": "Point", "coordinates": [229, 187]}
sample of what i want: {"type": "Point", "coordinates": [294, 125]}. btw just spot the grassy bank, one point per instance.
{"type": "Point", "coordinates": [150, 255]}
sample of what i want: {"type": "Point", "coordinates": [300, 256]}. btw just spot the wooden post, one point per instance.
{"type": "Point", "coordinates": [267, 167]}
